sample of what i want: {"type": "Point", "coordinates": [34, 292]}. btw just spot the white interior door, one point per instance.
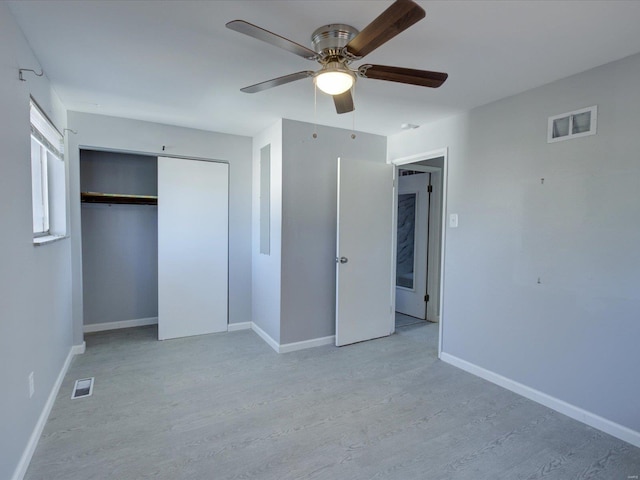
{"type": "Point", "coordinates": [364, 254]}
{"type": "Point", "coordinates": [193, 211]}
{"type": "Point", "coordinates": [411, 244]}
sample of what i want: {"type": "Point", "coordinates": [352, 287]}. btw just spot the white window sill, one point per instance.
{"type": "Point", "coordinates": [37, 241]}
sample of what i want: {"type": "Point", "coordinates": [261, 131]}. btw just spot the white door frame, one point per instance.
{"type": "Point", "coordinates": [402, 162]}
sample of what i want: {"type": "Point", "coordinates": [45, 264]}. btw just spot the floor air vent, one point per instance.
{"type": "Point", "coordinates": [82, 388]}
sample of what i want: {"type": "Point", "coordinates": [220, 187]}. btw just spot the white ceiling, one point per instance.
{"type": "Point", "coordinates": [174, 62]}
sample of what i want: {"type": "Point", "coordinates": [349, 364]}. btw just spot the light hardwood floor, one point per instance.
{"type": "Point", "coordinates": [227, 407]}
{"type": "Point", "coordinates": [403, 320]}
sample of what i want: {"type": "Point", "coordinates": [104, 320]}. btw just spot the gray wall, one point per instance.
{"type": "Point", "coordinates": [294, 286]}
{"type": "Point", "coordinates": [35, 282]}
{"type": "Point", "coordinates": [99, 132]}
{"type": "Point", "coordinates": [573, 336]}
{"type": "Point", "coordinates": [119, 242]}
{"type": "Point", "coordinates": [309, 183]}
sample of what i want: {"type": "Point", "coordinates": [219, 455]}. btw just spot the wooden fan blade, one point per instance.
{"type": "Point", "coordinates": [344, 102]}
{"type": "Point", "coordinates": [423, 78]}
{"type": "Point", "coordinates": [394, 20]}
{"type": "Point", "coordinates": [274, 82]}
{"type": "Point", "coordinates": [271, 38]}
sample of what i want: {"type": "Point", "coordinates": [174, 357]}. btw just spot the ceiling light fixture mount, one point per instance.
{"type": "Point", "coordinates": [331, 40]}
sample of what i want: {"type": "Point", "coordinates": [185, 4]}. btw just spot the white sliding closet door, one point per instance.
{"type": "Point", "coordinates": [193, 246]}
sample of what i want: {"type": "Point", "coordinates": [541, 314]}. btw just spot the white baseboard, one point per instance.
{"type": "Point", "coordinates": [138, 322]}
{"type": "Point", "coordinates": [314, 342]}
{"type": "Point", "coordinates": [577, 413]}
{"type": "Point", "coordinates": [79, 349]}
{"type": "Point", "coordinates": [266, 337]}
{"type": "Point", "coordinates": [29, 450]}
{"type": "Point", "coordinates": [292, 347]}
{"type": "Point", "coordinates": [234, 327]}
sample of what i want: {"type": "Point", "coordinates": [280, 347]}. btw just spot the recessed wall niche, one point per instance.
{"type": "Point", "coordinates": [265, 200]}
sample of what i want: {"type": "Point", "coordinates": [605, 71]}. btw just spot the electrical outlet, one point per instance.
{"type": "Point", "coordinates": [32, 385]}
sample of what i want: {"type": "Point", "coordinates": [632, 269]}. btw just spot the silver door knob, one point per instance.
{"type": "Point", "coordinates": [344, 259]}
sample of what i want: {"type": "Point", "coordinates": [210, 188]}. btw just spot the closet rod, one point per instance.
{"type": "Point", "coordinates": [96, 197]}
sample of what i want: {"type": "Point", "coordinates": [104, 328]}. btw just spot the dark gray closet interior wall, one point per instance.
{"type": "Point", "coordinates": [119, 242]}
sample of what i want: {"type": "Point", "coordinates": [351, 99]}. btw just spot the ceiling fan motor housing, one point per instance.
{"type": "Point", "coordinates": [329, 40]}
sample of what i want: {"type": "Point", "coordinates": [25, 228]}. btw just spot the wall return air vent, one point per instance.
{"type": "Point", "coordinates": [578, 123]}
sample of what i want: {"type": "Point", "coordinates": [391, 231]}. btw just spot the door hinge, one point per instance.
{"type": "Point", "coordinates": [430, 188]}
{"type": "Point", "coordinates": [426, 298]}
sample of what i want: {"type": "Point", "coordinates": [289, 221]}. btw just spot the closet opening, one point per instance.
{"type": "Point", "coordinates": [119, 219]}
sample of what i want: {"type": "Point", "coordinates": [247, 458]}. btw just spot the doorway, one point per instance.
{"type": "Point", "coordinates": [412, 242]}
{"type": "Point", "coordinates": [419, 205]}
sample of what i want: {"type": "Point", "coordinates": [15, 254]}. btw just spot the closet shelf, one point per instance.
{"type": "Point", "coordinates": [95, 197]}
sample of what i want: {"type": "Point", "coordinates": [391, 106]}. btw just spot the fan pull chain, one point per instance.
{"type": "Point", "coordinates": [353, 115]}
{"type": "Point", "coordinates": [315, 110]}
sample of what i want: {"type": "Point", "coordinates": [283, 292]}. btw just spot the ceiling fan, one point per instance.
{"type": "Point", "coordinates": [337, 45]}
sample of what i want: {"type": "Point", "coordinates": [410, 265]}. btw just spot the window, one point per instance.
{"type": "Point", "coordinates": [48, 185]}
{"type": "Point", "coordinates": [579, 123]}
{"type": "Point", "coordinates": [39, 188]}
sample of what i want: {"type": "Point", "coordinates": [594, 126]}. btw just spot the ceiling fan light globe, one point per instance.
{"type": "Point", "coordinates": [334, 82]}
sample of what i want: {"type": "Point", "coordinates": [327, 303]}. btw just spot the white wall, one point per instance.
{"type": "Point", "coordinates": [35, 282]}
{"type": "Point", "coordinates": [573, 336]}
{"type": "Point", "coordinates": [118, 134]}
{"type": "Point", "coordinates": [266, 268]}
{"type": "Point", "coordinates": [309, 197]}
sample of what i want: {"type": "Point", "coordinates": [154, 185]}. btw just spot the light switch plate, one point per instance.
{"type": "Point", "coordinates": [453, 220]}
